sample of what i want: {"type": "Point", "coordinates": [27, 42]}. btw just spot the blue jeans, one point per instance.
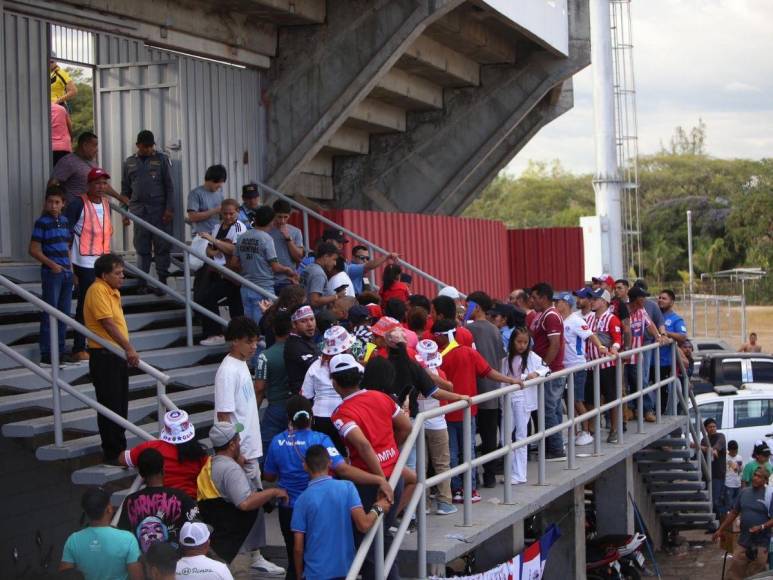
{"type": "Point", "coordinates": [729, 495]}
{"type": "Point", "coordinates": [580, 377]}
{"type": "Point", "coordinates": [411, 461]}
{"type": "Point", "coordinates": [250, 302]}
{"type": "Point", "coordinates": [272, 423]}
{"type": "Point", "coordinates": [554, 392]}
{"type": "Point", "coordinates": [630, 377]}
{"type": "Point", "coordinates": [455, 446]}
{"type": "Point", "coordinates": [57, 291]}
{"type": "Point", "coordinates": [86, 278]}
{"type": "Point", "coordinates": [717, 495]}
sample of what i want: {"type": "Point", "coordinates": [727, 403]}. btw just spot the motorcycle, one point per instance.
{"type": "Point", "coordinates": [629, 562]}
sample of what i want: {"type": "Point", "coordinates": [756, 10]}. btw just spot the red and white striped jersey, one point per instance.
{"type": "Point", "coordinates": [639, 323]}
{"type": "Point", "coordinates": [609, 331]}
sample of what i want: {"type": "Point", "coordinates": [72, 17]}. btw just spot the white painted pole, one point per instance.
{"type": "Point", "coordinates": [689, 266]}
{"type": "Point", "coordinates": [606, 183]}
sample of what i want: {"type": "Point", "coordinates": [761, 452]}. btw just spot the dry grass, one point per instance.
{"type": "Point", "coordinates": [759, 320]}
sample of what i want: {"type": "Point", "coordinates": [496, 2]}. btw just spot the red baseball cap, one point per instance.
{"type": "Point", "coordinates": [97, 173]}
{"type": "Point", "coordinates": [375, 311]}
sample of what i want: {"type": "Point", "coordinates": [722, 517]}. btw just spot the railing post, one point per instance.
{"type": "Point", "coordinates": [507, 441]}
{"type": "Point", "coordinates": [619, 394]}
{"type": "Point", "coordinates": [188, 298]}
{"type": "Point", "coordinates": [378, 550]}
{"type": "Point", "coordinates": [597, 417]}
{"type": "Point", "coordinates": [674, 384]}
{"type": "Point", "coordinates": [372, 273]}
{"type": "Point", "coordinates": [56, 394]}
{"type": "Point", "coordinates": [161, 408]}
{"type": "Point", "coordinates": [640, 386]}
{"type": "Point", "coordinates": [659, 390]}
{"type": "Point", "coordinates": [570, 411]}
{"type": "Point", "coordinates": [306, 234]}
{"type": "Point", "coordinates": [421, 510]}
{"type": "Point", "coordinates": [467, 458]}
{"type": "Point", "coordinates": [541, 429]}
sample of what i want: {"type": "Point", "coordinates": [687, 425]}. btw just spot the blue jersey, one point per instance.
{"type": "Point", "coordinates": [673, 323]}
{"type": "Point", "coordinates": [285, 459]}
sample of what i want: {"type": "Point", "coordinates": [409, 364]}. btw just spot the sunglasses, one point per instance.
{"type": "Point", "coordinates": [362, 256]}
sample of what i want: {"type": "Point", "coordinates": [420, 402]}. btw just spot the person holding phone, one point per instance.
{"type": "Point", "coordinates": [339, 282]}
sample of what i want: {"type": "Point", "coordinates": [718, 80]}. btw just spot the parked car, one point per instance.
{"type": "Point", "coordinates": [732, 369]}
{"type": "Point", "coordinates": [744, 414]}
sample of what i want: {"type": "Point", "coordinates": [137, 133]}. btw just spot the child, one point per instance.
{"type": "Point", "coordinates": [322, 520]}
{"type": "Point", "coordinates": [50, 245]}
{"type": "Point", "coordinates": [732, 476]}
{"type": "Point", "coordinates": [521, 363]}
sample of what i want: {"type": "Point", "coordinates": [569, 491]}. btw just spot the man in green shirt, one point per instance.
{"type": "Point", "coordinates": [271, 381]}
{"type": "Point", "coordinates": [761, 456]}
{"type": "Point", "coordinates": [101, 551]}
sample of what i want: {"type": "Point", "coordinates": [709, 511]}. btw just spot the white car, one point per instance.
{"type": "Point", "coordinates": [745, 415]}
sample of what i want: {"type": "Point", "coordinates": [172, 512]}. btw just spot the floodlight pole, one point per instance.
{"type": "Point", "coordinates": [689, 265]}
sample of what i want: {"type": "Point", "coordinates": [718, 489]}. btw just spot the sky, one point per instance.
{"type": "Point", "coordinates": [693, 59]}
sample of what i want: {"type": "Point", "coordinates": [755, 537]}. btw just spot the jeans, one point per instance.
{"type": "Point", "coordinates": [250, 304]}
{"type": "Point", "coordinates": [368, 495]}
{"type": "Point", "coordinates": [57, 291]}
{"type": "Point", "coordinates": [410, 463]}
{"type": "Point", "coordinates": [272, 423]}
{"type": "Point", "coordinates": [630, 377]}
{"type": "Point", "coordinates": [580, 378]}
{"type": "Point", "coordinates": [717, 496]}
{"type": "Point", "coordinates": [729, 495]}
{"type": "Point", "coordinates": [554, 392]}
{"type": "Point", "coordinates": [455, 446]}
{"type": "Point", "coordinates": [86, 278]}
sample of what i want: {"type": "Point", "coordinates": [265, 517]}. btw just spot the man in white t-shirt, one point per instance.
{"type": "Point", "coordinates": [194, 564]}
{"type": "Point", "coordinates": [576, 332]}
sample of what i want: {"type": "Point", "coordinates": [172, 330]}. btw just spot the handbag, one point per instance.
{"type": "Point", "coordinates": [199, 245]}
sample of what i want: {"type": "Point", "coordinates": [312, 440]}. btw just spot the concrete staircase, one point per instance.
{"type": "Point", "coordinates": [673, 476]}
{"type": "Point", "coordinates": [157, 328]}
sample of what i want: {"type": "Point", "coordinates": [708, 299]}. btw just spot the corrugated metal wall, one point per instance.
{"type": "Point", "coordinates": [553, 255]}
{"type": "Point", "coordinates": [25, 112]}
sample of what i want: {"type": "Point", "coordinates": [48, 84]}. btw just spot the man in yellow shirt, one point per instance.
{"type": "Point", "coordinates": [63, 88]}
{"type": "Point", "coordinates": [103, 315]}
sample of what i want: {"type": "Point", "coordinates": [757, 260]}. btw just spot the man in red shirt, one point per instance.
{"type": "Point", "coordinates": [463, 366]}
{"type": "Point", "coordinates": [547, 332]}
{"type": "Point", "coordinates": [444, 308]}
{"type": "Point", "coordinates": [373, 427]}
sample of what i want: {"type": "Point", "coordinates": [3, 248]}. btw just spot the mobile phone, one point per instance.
{"type": "Point", "coordinates": [341, 288]}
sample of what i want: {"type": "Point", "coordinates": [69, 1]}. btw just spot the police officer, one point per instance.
{"type": "Point", "coordinates": [147, 182]}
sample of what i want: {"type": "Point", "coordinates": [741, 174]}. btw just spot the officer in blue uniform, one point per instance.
{"type": "Point", "coordinates": [147, 182]}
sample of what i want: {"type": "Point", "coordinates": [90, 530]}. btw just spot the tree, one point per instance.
{"type": "Point", "coordinates": [82, 106]}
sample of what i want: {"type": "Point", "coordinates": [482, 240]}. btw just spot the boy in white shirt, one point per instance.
{"type": "Point", "coordinates": [732, 476]}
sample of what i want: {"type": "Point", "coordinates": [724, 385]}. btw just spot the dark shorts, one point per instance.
{"type": "Point", "coordinates": [606, 386]}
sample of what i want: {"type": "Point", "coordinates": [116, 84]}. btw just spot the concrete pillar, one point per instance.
{"type": "Point", "coordinates": [566, 558]}
{"type": "Point", "coordinates": [500, 547]}
{"type": "Point", "coordinates": [614, 512]}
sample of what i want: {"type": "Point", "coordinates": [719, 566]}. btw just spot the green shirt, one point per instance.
{"type": "Point", "coordinates": [751, 467]}
{"type": "Point", "coordinates": [101, 553]}
{"type": "Point", "coordinates": [271, 368]}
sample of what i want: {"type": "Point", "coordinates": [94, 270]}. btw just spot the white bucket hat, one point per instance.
{"type": "Point", "coordinates": [177, 427]}
{"type": "Point", "coordinates": [337, 340]}
{"type": "Point", "coordinates": [427, 353]}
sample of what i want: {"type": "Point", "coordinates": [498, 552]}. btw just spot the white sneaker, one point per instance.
{"type": "Point", "coordinates": [516, 481]}
{"type": "Point", "coordinates": [213, 341]}
{"type": "Point", "coordinates": [260, 563]}
{"type": "Point", "coordinates": [584, 438]}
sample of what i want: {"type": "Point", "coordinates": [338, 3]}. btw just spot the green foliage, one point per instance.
{"type": "Point", "coordinates": [82, 106]}
{"type": "Point", "coordinates": [731, 202]}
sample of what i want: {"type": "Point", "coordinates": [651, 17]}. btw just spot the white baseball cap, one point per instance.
{"type": "Point", "coordinates": [344, 362]}
{"type": "Point", "coordinates": [451, 292]}
{"type": "Point", "coordinates": [194, 534]}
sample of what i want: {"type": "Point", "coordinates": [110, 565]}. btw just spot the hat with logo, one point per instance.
{"type": "Point", "coordinates": [604, 279]}
{"type": "Point", "coordinates": [428, 354]}
{"type": "Point", "coordinates": [193, 534]}
{"type": "Point", "coordinates": [302, 312]}
{"type": "Point", "coordinates": [384, 325]}
{"type": "Point", "coordinates": [344, 362]}
{"type": "Point", "coordinates": [334, 234]}
{"type": "Point", "coordinates": [451, 292]}
{"type": "Point", "coordinates": [250, 191]}
{"type": "Point", "coordinates": [637, 292]}
{"type": "Point", "coordinates": [761, 448]}
{"type": "Point", "coordinates": [177, 427]}
{"type": "Point", "coordinates": [97, 173]}
{"type": "Point", "coordinates": [337, 341]}
{"type": "Point", "coordinates": [565, 296]}
{"type": "Point", "coordinates": [604, 295]}
{"type": "Point", "coordinates": [584, 292]}
{"type": "Point", "coordinates": [146, 137]}
{"type": "Point", "coordinates": [641, 283]}
{"type": "Point", "coordinates": [221, 433]}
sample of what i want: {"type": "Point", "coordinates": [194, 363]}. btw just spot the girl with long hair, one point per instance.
{"type": "Point", "coordinates": [392, 287]}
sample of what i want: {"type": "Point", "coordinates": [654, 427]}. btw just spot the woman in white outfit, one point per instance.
{"type": "Point", "coordinates": [524, 364]}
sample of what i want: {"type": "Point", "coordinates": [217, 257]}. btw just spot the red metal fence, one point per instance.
{"type": "Point", "coordinates": [471, 254]}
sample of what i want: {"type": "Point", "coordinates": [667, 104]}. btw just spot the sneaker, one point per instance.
{"type": "Point", "coordinates": [213, 341]}
{"type": "Point", "coordinates": [555, 455]}
{"type": "Point", "coordinates": [650, 417]}
{"type": "Point", "coordinates": [263, 565]}
{"type": "Point", "coordinates": [517, 482]}
{"type": "Point", "coordinates": [458, 496]}
{"type": "Point", "coordinates": [613, 438]}
{"type": "Point", "coordinates": [81, 356]}
{"type": "Point", "coordinates": [475, 496]}
{"type": "Point", "coordinates": [445, 509]}
{"type": "Point", "coordinates": [411, 527]}
{"type": "Point", "coordinates": [584, 438]}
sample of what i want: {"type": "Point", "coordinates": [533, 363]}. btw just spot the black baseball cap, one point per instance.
{"type": "Point", "coordinates": [334, 234]}
{"type": "Point", "coordinates": [641, 283]}
{"type": "Point", "coordinates": [761, 447]}
{"type": "Point", "coordinates": [637, 292]}
{"type": "Point", "coordinates": [250, 190]}
{"type": "Point", "coordinates": [146, 137]}
{"type": "Point", "coordinates": [500, 309]}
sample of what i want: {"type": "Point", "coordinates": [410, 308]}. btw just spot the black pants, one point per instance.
{"type": "Point", "coordinates": [285, 518]}
{"type": "Point", "coordinates": [211, 288]}
{"type": "Point", "coordinates": [151, 247]}
{"type": "Point", "coordinates": [325, 425]}
{"type": "Point", "coordinates": [368, 496]}
{"type": "Point", "coordinates": [110, 376]}
{"type": "Point", "coordinates": [86, 278]}
{"type": "Point", "coordinates": [488, 424]}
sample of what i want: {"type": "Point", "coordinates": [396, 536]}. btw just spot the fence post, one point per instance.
{"type": "Point", "coordinates": [659, 391]}
{"type": "Point", "coordinates": [188, 298]}
{"type": "Point", "coordinates": [378, 550]}
{"type": "Point", "coordinates": [421, 510]}
{"type": "Point", "coordinates": [640, 386]}
{"type": "Point", "coordinates": [467, 459]}
{"type": "Point", "coordinates": [597, 418]}
{"type": "Point", "coordinates": [161, 408]}
{"type": "Point", "coordinates": [56, 394]}
{"type": "Point", "coordinates": [507, 440]}
{"type": "Point", "coordinates": [673, 385]}
{"type": "Point", "coordinates": [306, 234]}
{"type": "Point", "coordinates": [619, 394]}
{"type": "Point", "coordinates": [541, 429]}
{"type": "Point", "coordinates": [570, 411]}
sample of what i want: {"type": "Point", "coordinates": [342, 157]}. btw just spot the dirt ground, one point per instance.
{"type": "Point", "coordinates": [759, 319]}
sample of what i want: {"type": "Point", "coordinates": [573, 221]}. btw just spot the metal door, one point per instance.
{"type": "Point", "coordinates": [132, 97]}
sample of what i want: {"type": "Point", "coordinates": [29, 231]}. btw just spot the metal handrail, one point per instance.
{"type": "Point", "coordinates": [319, 217]}
{"type": "Point", "coordinates": [382, 566]}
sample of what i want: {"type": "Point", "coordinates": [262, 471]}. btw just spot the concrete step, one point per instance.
{"type": "Point", "coordinates": [655, 486]}
{"type": "Point", "coordinates": [197, 376]}
{"type": "Point", "coordinates": [11, 333]}
{"type": "Point", "coordinates": [680, 465]}
{"type": "Point", "coordinates": [83, 446]}
{"type": "Point", "coordinates": [680, 495]}
{"type": "Point", "coordinates": [102, 474]}
{"type": "Point", "coordinates": [128, 301]}
{"type": "Point", "coordinates": [659, 455]}
{"type": "Point", "coordinates": [672, 476]}
{"type": "Point", "coordinates": [142, 340]}
{"type": "Point", "coordinates": [34, 287]}
{"type": "Point", "coordinates": [85, 420]}
{"type": "Point", "coordinates": [163, 359]}
{"type": "Point", "coordinates": [669, 442]}
{"type": "Point", "coordinates": [683, 519]}
{"type": "Point", "coordinates": [683, 506]}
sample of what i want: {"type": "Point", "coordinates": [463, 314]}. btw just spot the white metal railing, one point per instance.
{"type": "Point", "coordinates": [417, 503]}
